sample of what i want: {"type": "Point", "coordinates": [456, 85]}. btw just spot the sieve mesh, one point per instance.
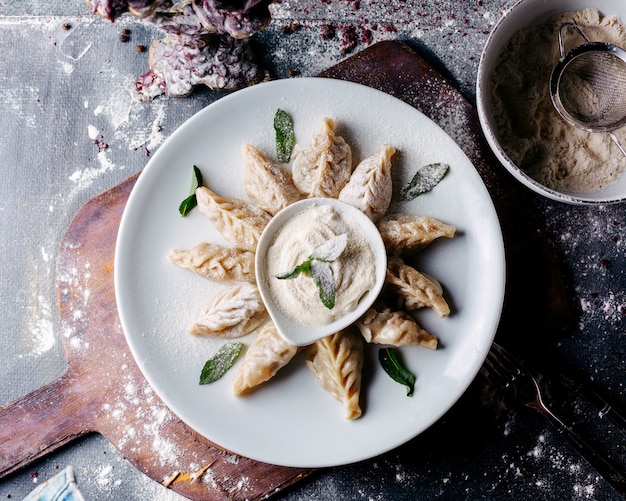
{"type": "Point", "coordinates": [592, 90]}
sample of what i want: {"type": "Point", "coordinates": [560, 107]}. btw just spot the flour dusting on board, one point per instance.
{"type": "Point", "coordinates": [76, 281]}
{"type": "Point", "coordinates": [132, 403]}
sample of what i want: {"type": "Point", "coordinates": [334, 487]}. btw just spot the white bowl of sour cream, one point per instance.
{"type": "Point", "coordinates": [297, 240]}
{"type": "Point", "coordinates": [526, 134]}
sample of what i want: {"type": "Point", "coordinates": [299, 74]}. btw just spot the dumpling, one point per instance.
{"type": "Point", "coordinates": [413, 289]}
{"type": "Point", "coordinates": [370, 188]}
{"type": "Point", "coordinates": [407, 233]}
{"type": "Point", "coordinates": [239, 222]}
{"type": "Point", "coordinates": [214, 262]}
{"type": "Point", "coordinates": [234, 312]}
{"type": "Point", "coordinates": [267, 183]}
{"type": "Point", "coordinates": [337, 361]}
{"type": "Point", "coordinates": [381, 325]}
{"type": "Point", "coordinates": [264, 358]}
{"type": "Point", "coordinates": [323, 168]}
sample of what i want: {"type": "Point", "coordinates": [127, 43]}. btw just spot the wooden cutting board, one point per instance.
{"type": "Point", "coordinates": [103, 390]}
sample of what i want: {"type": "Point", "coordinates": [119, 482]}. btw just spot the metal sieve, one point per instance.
{"type": "Point", "coordinates": [588, 85]}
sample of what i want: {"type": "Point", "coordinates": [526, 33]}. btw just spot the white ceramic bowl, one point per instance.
{"type": "Point", "coordinates": [524, 14]}
{"type": "Point", "coordinates": [290, 328]}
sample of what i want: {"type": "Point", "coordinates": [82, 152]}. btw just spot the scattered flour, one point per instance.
{"type": "Point", "coordinates": [84, 178]}
{"type": "Point", "coordinates": [76, 281]}
{"type": "Point", "coordinates": [16, 101]}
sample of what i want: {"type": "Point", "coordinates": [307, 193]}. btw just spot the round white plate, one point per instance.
{"type": "Point", "coordinates": [291, 420]}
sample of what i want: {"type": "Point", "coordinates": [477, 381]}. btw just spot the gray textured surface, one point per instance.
{"type": "Point", "coordinates": [64, 95]}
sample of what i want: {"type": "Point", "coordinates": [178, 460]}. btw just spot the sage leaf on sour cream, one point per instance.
{"type": "Point", "coordinates": [301, 268]}
{"type": "Point", "coordinates": [190, 202]}
{"type": "Point", "coordinates": [223, 359]}
{"type": "Point", "coordinates": [285, 137]}
{"type": "Point", "coordinates": [322, 275]}
{"type": "Point", "coordinates": [317, 265]}
{"type": "Point", "coordinates": [424, 180]}
{"type": "Point", "coordinates": [330, 250]}
{"type": "Point", "coordinates": [392, 364]}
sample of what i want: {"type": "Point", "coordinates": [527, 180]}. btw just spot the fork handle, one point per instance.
{"type": "Point", "coordinates": [600, 408]}
{"type": "Point", "coordinates": [606, 469]}
{"type": "Point", "coordinates": [605, 409]}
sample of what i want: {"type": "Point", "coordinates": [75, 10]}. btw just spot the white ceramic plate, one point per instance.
{"type": "Point", "coordinates": [291, 420]}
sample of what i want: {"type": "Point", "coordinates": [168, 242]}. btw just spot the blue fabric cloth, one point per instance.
{"type": "Point", "coordinates": [61, 487]}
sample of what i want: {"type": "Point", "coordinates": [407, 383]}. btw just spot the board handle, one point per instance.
{"type": "Point", "coordinates": [41, 422]}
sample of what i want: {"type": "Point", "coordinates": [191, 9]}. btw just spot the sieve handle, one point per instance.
{"type": "Point", "coordinates": [616, 141]}
{"type": "Point", "coordinates": [577, 29]}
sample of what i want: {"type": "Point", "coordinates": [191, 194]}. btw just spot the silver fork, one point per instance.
{"type": "Point", "coordinates": [527, 385]}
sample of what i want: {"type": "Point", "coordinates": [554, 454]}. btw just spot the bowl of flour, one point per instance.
{"type": "Point", "coordinates": [521, 125]}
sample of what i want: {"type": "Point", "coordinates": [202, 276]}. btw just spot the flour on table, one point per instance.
{"type": "Point", "coordinates": [40, 336]}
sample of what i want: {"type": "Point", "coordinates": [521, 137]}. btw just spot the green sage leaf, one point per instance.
{"type": "Point", "coordinates": [319, 269]}
{"type": "Point", "coordinates": [216, 366]}
{"type": "Point", "coordinates": [392, 364]}
{"type": "Point", "coordinates": [301, 268]}
{"type": "Point", "coordinates": [322, 275]}
{"type": "Point", "coordinates": [424, 180]}
{"type": "Point", "coordinates": [187, 205]}
{"type": "Point", "coordinates": [285, 137]}
{"type": "Point", "coordinates": [190, 202]}
{"type": "Point", "coordinates": [331, 250]}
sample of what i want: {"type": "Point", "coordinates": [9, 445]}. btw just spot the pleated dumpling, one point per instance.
{"type": "Point", "coordinates": [337, 361]}
{"type": "Point", "coordinates": [370, 188]}
{"type": "Point", "coordinates": [234, 312]}
{"type": "Point", "coordinates": [381, 325]}
{"type": "Point", "coordinates": [323, 168]}
{"type": "Point", "coordinates": [215, 262]}
{"type": "Point", "coordinates": [267, 183]}
{"type": "Point", "coordinates": [264, 358]}
{"type": "Point", "coordinates": [413, 290]}
{"type": "Point", "coordinates": [239, 222]}
{"type": "Point", "coordinates": [405, 234]}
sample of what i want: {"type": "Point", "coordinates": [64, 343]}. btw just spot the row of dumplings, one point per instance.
{"type": "Point", "coordinates": [321, 169]}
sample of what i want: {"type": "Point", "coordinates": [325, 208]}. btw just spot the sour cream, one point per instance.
{"type": "Point", "coordinates": [354, 272]}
